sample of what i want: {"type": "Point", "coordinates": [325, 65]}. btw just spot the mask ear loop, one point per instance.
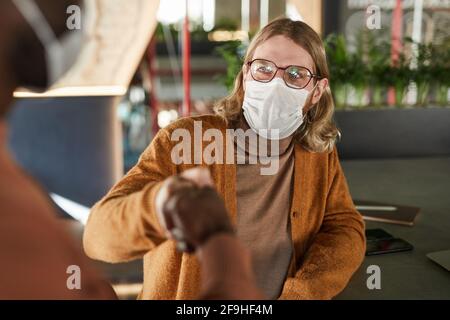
{"type": "Point", "coordinates": [33, 15]}
{"type": "Point", "coordinates": [37, 21]}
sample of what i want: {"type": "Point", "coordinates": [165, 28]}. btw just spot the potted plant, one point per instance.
{"type": "Point", "coordinates": [233, 54]}
{"type": "Point", "coordinates": [378, 67]}
{"type": "Point", "coordinates": [338, 62]}
{"type": "Point", "coordinates": [422, 75]}
{"type": "Point", "coordinates": [357, 73]}
{"type": "Point", "coordinates": [440, 72]}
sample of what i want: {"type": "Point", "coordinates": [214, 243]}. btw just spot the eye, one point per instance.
{"type": "Point", "coordinates": [264, 69]}
{"type": "Point", "coordinates": [296, 74]}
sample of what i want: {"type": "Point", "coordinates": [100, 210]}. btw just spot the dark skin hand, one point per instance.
{"type": "Point", "coordinates": [194, 215]}
{"type": "Point", "coordinates": [191, 209]}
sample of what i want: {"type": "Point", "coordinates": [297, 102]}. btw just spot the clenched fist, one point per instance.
{"type": "Point", "coordinates": [190, 209]}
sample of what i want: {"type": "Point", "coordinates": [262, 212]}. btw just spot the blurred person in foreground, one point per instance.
{"type": "Point", "coordinates": [35, 252]}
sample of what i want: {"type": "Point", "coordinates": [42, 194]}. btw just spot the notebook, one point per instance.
{"type": "Point", "coordinates": [388, 213]}
{"type": "Point", "coordinates": [442, 258]}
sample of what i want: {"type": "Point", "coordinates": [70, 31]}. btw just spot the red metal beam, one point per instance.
{"type": "Point", "coordinates": [396, 42]}
{"type": "Point", "coordinates": [153, 101]}
{"type": "Point", "coordinates": [186, 64]}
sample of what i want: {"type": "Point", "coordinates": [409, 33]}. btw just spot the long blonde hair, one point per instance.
{"type": "Point", "coordinates": [318, 133]}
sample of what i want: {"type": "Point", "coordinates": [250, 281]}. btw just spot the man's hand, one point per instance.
{"type": "Point", "coordinates": [195, 216]}
{"type": "Point", "coordinates": [227, 272]}
{"type": "Point", "coordinates": [190, 209]}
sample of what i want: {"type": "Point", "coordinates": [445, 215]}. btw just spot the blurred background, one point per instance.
{"type": "Point", "coordinates": [382, 55]}
{"type": "Point", "coordinates": [390, 78]}
{"type": "Point", "coordinates": [401, 63]}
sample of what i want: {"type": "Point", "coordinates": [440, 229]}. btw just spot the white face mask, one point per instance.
{"type": "Point", "coordinates": [273, 110]}
{"type": "Point", "coordinates": [60, 54]}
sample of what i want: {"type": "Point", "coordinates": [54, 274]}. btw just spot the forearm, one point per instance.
{"type": "Point", "coordinates": [226, 270]}
{"type": "Point", "coordinates": [123, 227]}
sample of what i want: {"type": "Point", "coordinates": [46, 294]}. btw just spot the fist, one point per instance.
{"type": "Point", "coordinates": [190, 209]}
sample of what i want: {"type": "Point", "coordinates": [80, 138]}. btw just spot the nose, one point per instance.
{"type": "Point", "coordinates": [279, 74]}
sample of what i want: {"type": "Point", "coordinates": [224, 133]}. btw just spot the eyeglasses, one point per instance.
{"type": "Point", "coordinates": [295, 77]}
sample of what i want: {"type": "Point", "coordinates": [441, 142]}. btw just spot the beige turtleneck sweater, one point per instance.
{"type": "Point", "coordinates": [263, 206]}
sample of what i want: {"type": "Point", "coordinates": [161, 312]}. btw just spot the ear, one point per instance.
{"type": "Point", "coordinates": [319, 89]}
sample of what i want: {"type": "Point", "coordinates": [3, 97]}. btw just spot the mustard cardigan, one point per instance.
{"type": "Point", "coordinates": [327, 230]}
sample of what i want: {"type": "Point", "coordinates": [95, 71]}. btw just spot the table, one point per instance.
{"type": "Point", "coordinates": [421, 182]}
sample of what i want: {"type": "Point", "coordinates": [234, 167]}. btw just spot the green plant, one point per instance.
{"type": "Point", "coordinates": [226, 24]}
{"type": "Point", "coordinates": [159, 32]}
{"type": "Point", "coordinates": [432, 71]}
{"type": "Point", "coordinates": [338, 62]}
{"type": "Point", "coordinates": [369, 66]}
{"type": "Point", "coordinates": [358, 75]}
{"type": "Point", "coordinates": [348, 69]}
{"type": "Point", "coordinates": [196, 31]}
{"type": "Point", "coordinates": [440, 71]}
{"type": "Point", "coordinates": [400, 76]}
{"type": "Point", "coordinates": [421, 73]}
{"type": "Point", "coordinates": [232, 52]}
{"type": "Point", "coordinates": [378, 67]}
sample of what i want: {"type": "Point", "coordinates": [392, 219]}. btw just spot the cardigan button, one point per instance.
{"type": "Point", "coordinates": [294, 214]}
